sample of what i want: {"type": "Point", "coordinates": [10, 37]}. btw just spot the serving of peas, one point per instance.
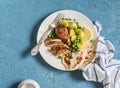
{"type": "Point", "coordinates": [75, 42]}
{"type": "Point", "coordinates": [52, 34]}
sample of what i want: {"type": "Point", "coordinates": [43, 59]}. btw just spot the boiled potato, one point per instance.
{"type": "Point", "coordinates": [81, 33]}
{"type": "Point", "coordinates": [73, 38]}
{"type": "Point", "coordinates": [64, 23]}
{"type": "Point", "coordinates": [72, 32]}
{"type": "Point", "coordinates": [72, 25]}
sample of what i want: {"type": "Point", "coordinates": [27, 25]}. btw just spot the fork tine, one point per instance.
{"type": "Point", "coordinates": [59, 16]}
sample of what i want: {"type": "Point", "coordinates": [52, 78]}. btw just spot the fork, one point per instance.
{"type": "Point", "coordinates": [35, 50]}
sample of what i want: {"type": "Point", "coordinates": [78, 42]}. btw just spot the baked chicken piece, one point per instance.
{"type": "Point", "coordinates": [57, 46]}
{"type": "Point", "coordinates": [62, 33]}
{"type": "Point", "coordinates": [52, 42]}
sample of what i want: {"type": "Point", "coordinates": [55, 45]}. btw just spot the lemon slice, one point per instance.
{"type": "Point", "coordinates": [88, 35]}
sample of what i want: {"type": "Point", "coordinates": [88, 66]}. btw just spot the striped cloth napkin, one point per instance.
{"type": "Point", "coordinates": [104, 69]}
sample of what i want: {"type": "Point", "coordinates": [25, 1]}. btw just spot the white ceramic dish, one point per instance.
{"type": "Point", "coordinates": [47, 56]}
{"type": "Point", "coordinates": [29, 83]}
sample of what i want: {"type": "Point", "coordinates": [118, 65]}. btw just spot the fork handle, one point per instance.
{"type": "Point", "coordinates": [35, 50]}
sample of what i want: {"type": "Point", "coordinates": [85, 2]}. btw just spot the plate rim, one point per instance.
{"type": "Point", "coordinates": [43, 23]}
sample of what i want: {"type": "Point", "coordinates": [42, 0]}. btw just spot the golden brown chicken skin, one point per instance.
{"type": "Point", "coordinates": [62, 33]}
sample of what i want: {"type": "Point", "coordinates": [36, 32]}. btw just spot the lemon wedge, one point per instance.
{"type": "Point", "coordinates": [88, 35]}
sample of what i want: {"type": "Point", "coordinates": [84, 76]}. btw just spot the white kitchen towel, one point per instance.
{"type": "Point", "coordinates": [104, 69]}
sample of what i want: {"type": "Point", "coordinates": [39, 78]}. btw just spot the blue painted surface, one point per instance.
{"type": "Point", "coordinates": [19, 22]}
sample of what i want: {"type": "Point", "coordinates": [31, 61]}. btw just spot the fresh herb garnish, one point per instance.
{"type": "Point", "coordinates": [60, 57]}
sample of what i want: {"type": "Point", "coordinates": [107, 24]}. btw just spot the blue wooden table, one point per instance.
{"type": "Point", "coordinates": [19, 23]}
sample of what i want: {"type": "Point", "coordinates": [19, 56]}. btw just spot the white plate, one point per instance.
{"type": "Point", "coordinates": [48, 57]}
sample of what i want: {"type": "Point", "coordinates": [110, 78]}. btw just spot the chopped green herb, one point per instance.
{"type": "Point", "coordinates": [60, 57]}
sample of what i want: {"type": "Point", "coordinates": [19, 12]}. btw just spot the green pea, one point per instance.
{"type": "Point", "coordinates": [80, 39]}
{"type": "Point", "coordinates": [73, 45]}
{"type": "Point", "coordinates": [75, 29]}
{"type": "Point", "coordinates": [49, 36]}
{"type": "Point", "coordinates": [78, 35]}
{"type": "Point", "coordinates": [76, 41]}
{"type": "Point", "coordinates": [53, 33]}
{"type": "Point", "coordinates": [69, 54]}
{"type": "Point", "coordinates": [52, 36]}
{"type": "Point", "coordinates": [78, 49]}
{"type": "Point", "coordinates": [78, 25]}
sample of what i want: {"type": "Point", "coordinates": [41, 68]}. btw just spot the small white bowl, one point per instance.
{"type": "Point", "coordinates": [29, 83]}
